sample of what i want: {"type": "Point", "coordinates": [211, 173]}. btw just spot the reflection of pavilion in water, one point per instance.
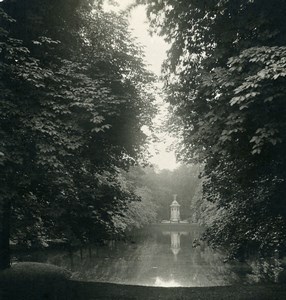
{"type": "Point", "coordinates": [163, 255]}
{"type": "Point", "coordinates": [189, 266]}
{"type": "Point", "coordinates": [160, 255]}
{"type": "Point", "coordinates": [175, 240]}
{"type": "Point", "coordinates": [175, 233]}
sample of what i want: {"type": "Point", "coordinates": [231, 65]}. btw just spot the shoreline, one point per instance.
{"type": "Point", "coordinates": [81, 290]}
{"type": "Point", "coordinates": [88, 290]}
{"type": "Point", "coordinates": [36, 281]}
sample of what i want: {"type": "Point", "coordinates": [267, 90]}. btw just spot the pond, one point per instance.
{"type": "Point", "coordinates": [163, 255]}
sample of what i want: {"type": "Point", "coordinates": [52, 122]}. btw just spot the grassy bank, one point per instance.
{"type": "Point", "coordinates": [32, 281]}
{"type": "Point", "coordinates": [106, 291]}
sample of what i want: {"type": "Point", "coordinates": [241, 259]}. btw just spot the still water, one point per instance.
{"type": "Point", "coordinates": [162, 255]}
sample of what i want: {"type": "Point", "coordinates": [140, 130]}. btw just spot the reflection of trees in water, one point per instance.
{"type": "Point", "coordinates": [199, 266]}
{"type": "Point", "coordinates": [266, 270]}
{"type": "Point", "coordinates": [151, 256]}
{"type": "Point", "coordinates": [143, 262]}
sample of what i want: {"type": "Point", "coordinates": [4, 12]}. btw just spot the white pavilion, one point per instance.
{"type": "Point", "coordinates": [175, 211]}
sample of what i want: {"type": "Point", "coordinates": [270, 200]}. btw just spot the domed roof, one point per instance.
{"type": "Point", "coordinates": [175, 203]}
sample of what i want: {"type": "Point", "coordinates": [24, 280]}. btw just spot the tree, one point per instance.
{"type": "Point", "coordinates": [158, 189]}
{"type": "Point", "coordinates": [75, 94]}
{"type": "Point", "coordinates": [225, 78]}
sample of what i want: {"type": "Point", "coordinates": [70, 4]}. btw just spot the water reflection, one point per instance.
{"type": "Point", "coordinates": [161, 282]}
{"type": "Point", "coordinates": [158, 256]}
{"type": "Point", "coordinates": [175, 241]}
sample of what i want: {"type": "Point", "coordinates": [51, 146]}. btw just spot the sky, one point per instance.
{"type": "Point", "coordinates": [155, 53]}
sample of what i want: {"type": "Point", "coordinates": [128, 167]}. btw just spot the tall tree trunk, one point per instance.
{"type": "Point", "coordinates": [5, 235]}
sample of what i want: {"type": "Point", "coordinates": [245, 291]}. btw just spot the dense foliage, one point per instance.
{"type": "Point", "coordinates": [225, 78]}
{"type": "Point", "coordinates": [74, 96]}
{"type": "Point", "coordinates": [158, 189]}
